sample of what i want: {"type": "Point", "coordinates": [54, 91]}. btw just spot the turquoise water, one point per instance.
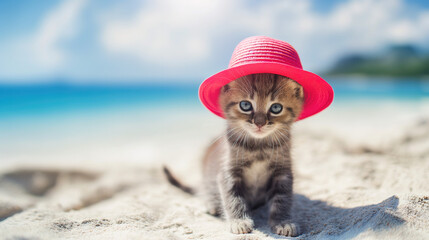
{"type": "Point", "coordinates": [27, 101]}
{"type": "Point", "coordinates": [380, 88]}
{"type": "Point", "coordinates": [33, 100]}
{"type": "Point", "coordinates": [60, 116]}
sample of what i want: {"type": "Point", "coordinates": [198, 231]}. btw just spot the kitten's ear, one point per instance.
{"type": "Point", "coordinates": [226, 88]}
{"type": "Point", "coordinates": [296, 88]}
{"type": "Point", "coordinates": [299, 92]}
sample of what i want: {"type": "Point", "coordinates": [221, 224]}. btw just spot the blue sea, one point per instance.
{"type": "Point", "coordinates": [22, 101]}
{"type": "Point", "coordinates": [50, 112]}
{"type": "Point", "coordinates": [60, 116]}
{"type": "Point", "coordinates": [38, 100]}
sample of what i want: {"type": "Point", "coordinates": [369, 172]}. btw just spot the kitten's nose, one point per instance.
{"type": "Point", "coordinates": [260, 119]}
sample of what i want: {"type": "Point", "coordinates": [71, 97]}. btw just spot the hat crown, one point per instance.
{"type": "Point", "coordinates": [264, 49]}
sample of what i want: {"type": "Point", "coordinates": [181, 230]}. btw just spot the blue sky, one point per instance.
{"type": "Point", "coordinates": [189, 40]}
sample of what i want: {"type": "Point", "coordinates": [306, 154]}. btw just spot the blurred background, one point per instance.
{"type": "Point", "coordinates": [119, 79]}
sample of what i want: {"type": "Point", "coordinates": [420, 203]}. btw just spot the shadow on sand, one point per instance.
{"type": "Point", "coordinates": [317, 219]}
{"type": "Point", "coordinates": [33, 184]}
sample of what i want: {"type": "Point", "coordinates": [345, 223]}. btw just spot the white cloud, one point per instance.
{"type": "Point", "coordinates": [165, 31]}
{"type": "Point", "coordinates": [194, 38]}
{"type": "Point", "coordinates": [58, 25]}
{"type": "Point", "coordinates": [41, 52]}
{"type": "Point", "coordinates": [180, 32]}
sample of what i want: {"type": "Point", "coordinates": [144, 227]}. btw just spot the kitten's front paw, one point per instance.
{"type": "Point", "coordinates": [241, 226]}
{"type": "Point", "coordinates": [286, 228]}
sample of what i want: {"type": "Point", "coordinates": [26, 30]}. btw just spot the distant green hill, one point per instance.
{"type": "Point", "coordinates": [397, 61]}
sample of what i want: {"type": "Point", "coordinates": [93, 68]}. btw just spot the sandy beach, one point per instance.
{"type": "Point", "coordinates": [360, 173]}
{"type": "Point", "coordinates": [97, 97]}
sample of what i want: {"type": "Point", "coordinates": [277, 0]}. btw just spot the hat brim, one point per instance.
{"type": "Point", "coordinates": [318, 94]}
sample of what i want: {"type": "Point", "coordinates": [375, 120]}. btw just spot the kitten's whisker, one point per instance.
{"type": "Point", "coordinates": [237, 133]}
{"type": "Point", "coordinates": [286, 138]}
{"type": "Point", "coordinates": [225, 137]}
{"type": "Point", "coordinates": [233, 133]}
{"type": "Point", "coordinates": [222, 135]}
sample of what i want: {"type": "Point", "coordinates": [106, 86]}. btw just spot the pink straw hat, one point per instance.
{"type": "Point", "coordinates": [261, 54]}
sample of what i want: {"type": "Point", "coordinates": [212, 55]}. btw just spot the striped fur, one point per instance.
{"type": "Point", "coordinates": [250, 166]}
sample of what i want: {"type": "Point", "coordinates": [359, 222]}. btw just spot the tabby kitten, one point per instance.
{"type": "Point", "coordinates": [251, 164]}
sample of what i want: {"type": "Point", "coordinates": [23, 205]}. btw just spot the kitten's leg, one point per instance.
{"type": "Point", "coordinates": [280, 205]}
{"type": "Point", "coordinates": [213, 204]}
{"type": "Point", "coordinates": [235, 207]}
{"type": "Point", "coordinates": [212, 197]}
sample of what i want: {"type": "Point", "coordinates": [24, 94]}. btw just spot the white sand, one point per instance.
{"type": "Point", "coordinates": [358, 175]}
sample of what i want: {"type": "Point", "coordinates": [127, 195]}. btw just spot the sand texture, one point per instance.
{"type": "Point", "coordinates": [353, 180]}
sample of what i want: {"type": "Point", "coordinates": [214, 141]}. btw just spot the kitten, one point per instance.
{"type": "Point", "coordinates": [250, 164]}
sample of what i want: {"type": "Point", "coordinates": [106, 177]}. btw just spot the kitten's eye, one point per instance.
{"type": "Point", "coordinates": [276, 108]}
{"type": "Point", "coordinates": [245, 106]}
